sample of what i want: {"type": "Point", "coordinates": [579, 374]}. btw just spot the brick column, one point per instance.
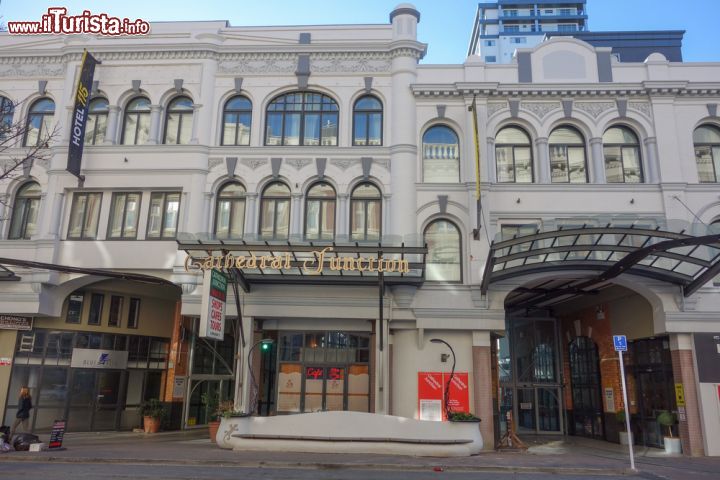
{"type": "Point", "coordinates": [691, 434]}
{"type": "Point", "coordinates": [482, 387]}
{"type": "Point", "coordinates": [177, 367]}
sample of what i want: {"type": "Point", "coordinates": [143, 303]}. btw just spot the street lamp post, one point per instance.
{"type": "Point", "coordinates": [446, 398]}
{"type": "Point", "coordinates": [252, 403]}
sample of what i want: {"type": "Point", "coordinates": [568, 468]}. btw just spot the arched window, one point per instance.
{"type": "Point", "coordinates": [367, 121]}
{"type": "Point", "coordinates": [136, 125]}
{"type": "Point", "coordinates": [302, 118]}
{"type": "Point", "coordinates": [513, 156]}
{"type": "Point", "coordinates": [707, 153]}
{"type": "Point", "coordinates": [444, 252]}
{"type": "Point", "coordinates": [441, 155]}
{"type": "Point", "coordinates": [25, 212]}
{"type": "Point", "coordinates": [365, 212]}
{"type": "Point", "coordinates": [237, 119]}
{"type": "Point", "coordinates": [320, 212]}
{"type": "Point", "coordinates": [96, 121]}
{"type": "Point", "coordinates": [178, 121]}
{"type": "Point", "coordinates": [567, 156]}
{"type": "Point", "coordinates": [275, 212]}
{"type": "Point", "coordinates": [230, 211]}
{"type": "Point", "coordinates": [622, 156]}
{"type": "Point", "coordinates": [39, 121]}
{"type": "Point", "coordinates": [7, 109]}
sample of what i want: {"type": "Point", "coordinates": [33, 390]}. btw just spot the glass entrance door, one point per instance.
{"type": "Point", "coordinates": [95, 400]}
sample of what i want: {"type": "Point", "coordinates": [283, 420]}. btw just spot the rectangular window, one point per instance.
{"type": "Point", "coordinates": [567, 27]}
{"type": "Point", "coordinates": [518, 40]}
{"type": "Point", "coordinates": [489, 43]}
{"type": "Point", "coordinates": [512, 28]}
{"type": "Point", "coordinates": [490, 59]}
{"type": "Point", "coordinates": [133, 313]}
{"type": "Point", "coordinates": [84, 216]}
{"type": "Point", "coordinates": [124, 215]}
{"type": "Point", "coordinates": [116, 303]}
{"type": "Point", "coordinates": [163, 215]}
{"type": "Point", "coordinates": [96, 304]}
{"type": "Point", "coordinates": [510, 13]}
{"type": "Point", "coordinates": [74, 311]}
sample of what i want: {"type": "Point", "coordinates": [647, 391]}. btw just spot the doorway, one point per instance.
{"type": "Point", "coordinates": [95, 399]}
{"type": "Point", "coordinates": [587, 411]}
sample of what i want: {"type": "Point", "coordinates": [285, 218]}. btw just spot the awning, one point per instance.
{"type": "Point", "coordinates": [678, 258]}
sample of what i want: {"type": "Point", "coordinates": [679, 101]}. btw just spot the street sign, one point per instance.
{"type": "Point", "coordinates": [620, 343]}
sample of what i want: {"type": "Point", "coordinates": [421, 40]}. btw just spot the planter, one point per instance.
{"type": "Point", "coordinates": [151, 424]}
{"type": "Point", "coordinates": [672, 445]}
{"type": "Point", "coordinates": [213, 427]}
{"type": "Point", "coordinates": [624, 438]}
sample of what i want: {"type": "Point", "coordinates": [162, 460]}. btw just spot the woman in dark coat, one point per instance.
{"type": "Point", "coordinates": [23, 413]}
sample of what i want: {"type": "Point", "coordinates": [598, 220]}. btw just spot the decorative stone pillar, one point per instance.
{"type": "Point", "coordinates": [155, 111]}
{"type": "Point", "coordinates": [296, 228]}
{"type": "Point", "coordinates": [543, 161]}
{"type": "Point", "coordinates": [653, 168]}
{"type": "Point", "coordinates": [597, 161]}
{"type": "Point", "coordinates": [689, 421]}
{"type": "Point", "coordinates": [483, 387]}
{"type": "Point", "coordinates": [491, 161]}
{"type": "Point", "coordinates": [250, 212]}
{"type": "Point", "coordinates": [208, 216]}
{"type": "Point", "coordinates": [111, 130]}
{"type": "Point", "coordinates": [204, 115]}
{"type": "Point", "coordinates": [197, 110]}
{"type": "Point", "coordinates": [342, 228]}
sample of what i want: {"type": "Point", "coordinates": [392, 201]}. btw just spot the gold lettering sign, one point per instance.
{"type": "Point", "coordinates": [313, 265]}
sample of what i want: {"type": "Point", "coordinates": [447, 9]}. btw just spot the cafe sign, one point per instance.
{"type": "Point", "coordinates": [212, 319]}
{"type": "Point", "coordinates": [14, 322]}
{"type": "Point", "coordinates": [316, 264]}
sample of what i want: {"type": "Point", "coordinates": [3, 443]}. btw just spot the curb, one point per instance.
{"type": "Point", "coordinates": [326, 466]}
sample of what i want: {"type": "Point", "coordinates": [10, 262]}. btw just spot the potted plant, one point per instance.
{"type": "Point", "coordinates": [462, 417]}
{"type": "Point", "coordinates": [624, 436]}
{"type": "Point", "coordinates": [152, 412]}
{"type": "Point", "coordinates": [668, 419]}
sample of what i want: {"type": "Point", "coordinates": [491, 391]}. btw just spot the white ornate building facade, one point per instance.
{"type": "Point", "coordinates": [298, 137]}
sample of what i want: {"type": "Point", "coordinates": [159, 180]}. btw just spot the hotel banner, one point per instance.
{"type": "Point", "coordinates": [80, 113]}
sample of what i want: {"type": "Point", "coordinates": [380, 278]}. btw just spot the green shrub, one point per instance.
{"type": "Point", "coordinates": [153, 408]}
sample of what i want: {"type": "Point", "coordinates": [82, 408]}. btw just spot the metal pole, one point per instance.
{"type": "Point", "coordinates": [627, 411]}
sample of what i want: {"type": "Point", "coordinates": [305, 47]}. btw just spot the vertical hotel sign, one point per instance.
{"type": "Point", "coordinates": [80, 113]}
{"type": "Point", "coordinates": [212, 319]}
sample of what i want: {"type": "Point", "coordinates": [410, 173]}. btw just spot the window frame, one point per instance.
{"type": "Point", "coordinates": [322, 201]}
{"type": "Point", "coordinates": [137, 113]}
{"type": "Point", "coordinates": [233, 205]}
{"type": "Point", "coordinates": [457, 160]}
{"type": "Point", "coordinates": [93, 297]}
{"type": "Point", "coordinates": [275, 199]}
{"type": "Point", "coordinates": [713, 148]}
{"type": "Point", "coordinates": [566, 148]}
{"type": "Point", "coordinates": [302, 112]}
{"type": "Point", "coordinates": [83, 233]}
{"type": "Point", "coordinates": [96, 115]}
{"type": "Point", "coordinates": [7, 113]}
{"type": "Point", "coordinates": [365, 201]}
{"type": "Point", "coordinates": [165, 195]}
{"type": "Point", "coordinates": [460, 248]}
{"type": "Point", "coordinates": [529, 146]}
{"type": "Point", "coordinates": [24, 220]}
{"type": "Point", "coordinates": [115, 195]}
{"type": "Point", "coordinates": [622, 147]}
{"type": "Point", "coordinates": [367, 113]}
{"type": "Point", "coordinates": [182, 113]}
{"type": "Point", "coordinates": [133, 307]}
{"type": "Point", "coordinates": [118, 314]}
{"type": "Point", "coordinates": [82, 305]}
{"type": "Point", "coordinates": [42, 114]}
{"type": "Point", "coordinates": [237, 113]}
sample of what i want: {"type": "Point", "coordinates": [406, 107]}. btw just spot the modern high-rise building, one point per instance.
{"type": "Point", "coordinates": [505, 25]}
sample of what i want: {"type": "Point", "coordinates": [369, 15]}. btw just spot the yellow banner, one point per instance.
{"type": "Point", "coordinates": [477, 149]}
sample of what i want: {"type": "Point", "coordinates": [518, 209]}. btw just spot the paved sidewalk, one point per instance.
{"type": "Point", "coordinates": [555, 455]}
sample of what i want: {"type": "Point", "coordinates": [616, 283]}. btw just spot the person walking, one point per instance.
{"type": "Point", "coordinates": [23, 413]}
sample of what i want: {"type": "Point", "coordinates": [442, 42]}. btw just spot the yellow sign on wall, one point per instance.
{"type": "Point", "coordinates": [679, 395]}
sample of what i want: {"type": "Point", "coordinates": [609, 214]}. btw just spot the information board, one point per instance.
{"type": "Point", "coordinates": [212, 320]}
{"type": "Point", "coordinates": [431, 394]}
{"type": "Point", "coordinates": [56, 435]}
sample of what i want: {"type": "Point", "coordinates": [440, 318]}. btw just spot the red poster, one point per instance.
{"type": "Point", "coordinates": [431, 391]}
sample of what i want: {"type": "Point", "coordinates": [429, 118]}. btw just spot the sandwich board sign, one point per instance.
{"type": "Point", "coordinates": [212, 314]}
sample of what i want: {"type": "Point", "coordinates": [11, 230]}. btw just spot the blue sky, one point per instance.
{"type": "Point", "coordinates": [445, 24]}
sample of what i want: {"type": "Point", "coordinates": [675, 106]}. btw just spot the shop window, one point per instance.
{"type": "Point", "coordinates": [230, 211]}
{"type": "Point", "coordinates": [96, 126]}
{"type": "Point", "coordinates": [7, 110]}
{"type": "Point", "coordinates": [178, 122]}
{"type": "Point", "coordinates": [567, 156]}
{"type": "Point", "coordinates": [134, 313]}
{"type": "Point", "coordinates": [237, 120]}
{"type": "Point", "coordinates": [441, 155]}
{"type": "Point", "coordinates": [367, 121]}
{"type": "Point", "coordinates": [444, 252]}
{"type": "Point", "coordinates": [365, 213]}
{"type": "Point", "coordinates": [320, 212]}
{"type": "Point", "coordinates": [622, 156]}
{"type": "Point", "coordinates": [275, 212]}
{"type": "Point", "coordinates": [124, 215]}
{"type": "Point", "coordinates": [163, 215]}
{"type": "Point", "coordinates": [84, 216]}
{"type": "Point", "coordinates": [96, 305]}
{"type": "Point", "coordinates": [53, 388]}
{"type": "Point", "coordinates": [23, 224]}
{"type": "Point", "coordinates": [74, 311]}
{"type": "Point", "coordinates": [302, 118]}
{"type": "Point", "coordinates": [136, 124]}
{"type": "Point", "coordinates": [707, 153]}
{"type": "Point", "coordinates": [39, 121]}
{"type": "Point", "coordinates": [116, 303]}
{"type": "Point", "coordinates": [513, 155]}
